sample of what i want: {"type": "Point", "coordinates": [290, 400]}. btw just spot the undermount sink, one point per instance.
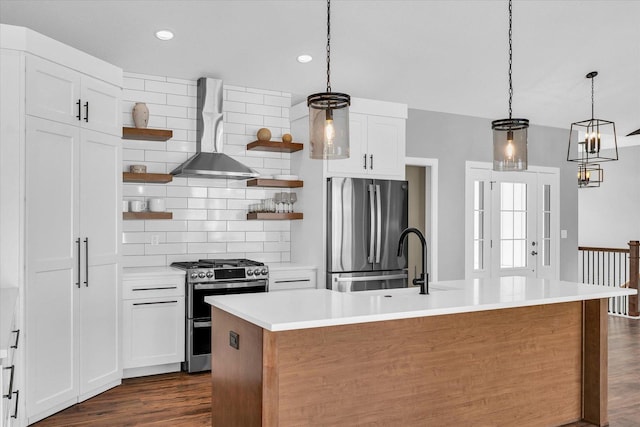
{"type": "Point", "coordinates": [412, 291]}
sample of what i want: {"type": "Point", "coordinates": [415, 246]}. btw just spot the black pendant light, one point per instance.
{"type": "Point", "coordinates": [329, 115]}
{"type": "Point", "coordinates": [586, 137]}
{"type": "Point", "coordinates": [510, 135]}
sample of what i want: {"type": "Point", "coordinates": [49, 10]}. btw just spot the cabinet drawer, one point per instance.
{"type": "Point", "coordinates": [153, 288]}
{"type": "Point", "coordinates": [292, 279]}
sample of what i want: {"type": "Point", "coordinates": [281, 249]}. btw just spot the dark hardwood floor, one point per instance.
{"type": "Point", "coordinates": [185, 400]}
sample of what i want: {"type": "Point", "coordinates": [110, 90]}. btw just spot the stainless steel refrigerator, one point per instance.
{"type": "Point", "coordinates": [364, 220]}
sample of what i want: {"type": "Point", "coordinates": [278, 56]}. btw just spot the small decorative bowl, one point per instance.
{"type": "Point", "coordinates": [137, 169]}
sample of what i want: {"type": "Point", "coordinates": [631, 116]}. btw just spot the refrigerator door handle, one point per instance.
{"type": "Point", "coordinates": [343, 284]}
{"type": "Point", "coordinates": [379, 224]}
{"type": "Point", "coordinates": [372, 222]}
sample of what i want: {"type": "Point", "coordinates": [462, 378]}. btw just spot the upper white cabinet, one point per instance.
{"type": "Point", "coordinates": [58, 93]}
{"type": "Point", "coordinates": [377, 148]}
{"type": "Point", "coordinates": [68, 174]}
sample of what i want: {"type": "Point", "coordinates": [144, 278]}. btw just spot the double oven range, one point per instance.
{"type": "Point", "coordinates": [213, 277]}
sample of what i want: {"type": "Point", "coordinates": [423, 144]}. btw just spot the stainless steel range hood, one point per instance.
{"type": "Point", "coordinates": [209, 161]}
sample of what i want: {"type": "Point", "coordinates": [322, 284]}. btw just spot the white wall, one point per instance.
{"type": "Point", "coordinates": [209, 215]}
{"type": "Point", "coordinates": [609, 215]}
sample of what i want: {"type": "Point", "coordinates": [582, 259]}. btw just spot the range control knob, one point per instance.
{"type": "Point", "coordinates": [264, 271]}
{"type": "Point", "coordinates": [249, 272]}
{"type": "Point", "coordinates": [194, 275]}
{"type": "Point", "coordinates": [209, 274]}
{"type": "Point", "coordinates": [201, 275]}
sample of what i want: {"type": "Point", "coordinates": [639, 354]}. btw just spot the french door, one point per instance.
{"type": "Point", "coordinates": [512, 222]}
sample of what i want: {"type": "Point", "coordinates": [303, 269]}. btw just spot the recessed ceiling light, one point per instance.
{"type": "Point", "coordinates": [164, 35]}
{"type": "Point", "coordinates": [304, 58]}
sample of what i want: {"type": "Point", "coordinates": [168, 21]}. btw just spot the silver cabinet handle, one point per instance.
{"type": "Point", "coordinates": [86, 262]}
{"type": "Point", "coordinates": [79, 265]}
{"type": "Point", "coordinates": [365, 161]}
{"type": "Point", "coordinates": [371, 161]}
{"type": "Point", "coordinates": [10, 392]}
{"type": "Point", "coordinates": [157, 302]}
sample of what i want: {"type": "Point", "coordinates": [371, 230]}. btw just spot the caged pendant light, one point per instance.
{"type": "Point", "coordinates": [329, 115]}
{"type": "Point", "coordinates": [587, 137]}
{"type": "Point", "coordinates": [510, 135]}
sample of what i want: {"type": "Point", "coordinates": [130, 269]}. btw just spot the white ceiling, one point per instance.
{"type": "Point", "coordinates": [448, 56]}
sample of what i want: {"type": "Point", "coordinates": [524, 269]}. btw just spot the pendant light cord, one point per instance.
{"type": "Point", "coordinates": [592, 99]}
{"type": "Point", "coordinates": [510, 59]}
{"type": "Point", "coordinates": [328, 45]}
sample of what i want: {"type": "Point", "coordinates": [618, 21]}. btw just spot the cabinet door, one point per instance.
{"type": "Point", "coordinates": [101, 106]}
{"type": "Point", "coordinates": [52, 264]}
{"type": "Point", "coordinates": [354, 166]}
{"type": "Point", "coordinates": [100, 230]}
{"type": "Point", "coordinates": [386, 143]}
{"type": "Point", "coordinates": [53, 91]}
{"type": "Point", "coordinates": [153, 331]}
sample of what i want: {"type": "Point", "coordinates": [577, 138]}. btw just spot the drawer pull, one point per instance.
{"type": "Point", "coordinates": [15, 409]}
{"type": "Point", "coordinates": [10, 392]}
{"type": "Point", "coordinates": [17, 332]}
{"type": "Point", "coordinates": [154, 289]}
{"type": "Point", "coordinates": [293, 280]}
{"type": "Point", "coordinates": [157, 302]}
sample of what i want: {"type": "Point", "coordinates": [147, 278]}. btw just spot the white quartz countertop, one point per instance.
{"type": "Point", "coordinates": [8, 297]}
{"type": "Point", "coordinates": [312, 308]}
{"type": "Point", "coordinates": [137, 272]}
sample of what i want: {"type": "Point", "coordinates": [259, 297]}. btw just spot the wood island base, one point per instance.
{"type": "Point", "coordinates": [526, 366]}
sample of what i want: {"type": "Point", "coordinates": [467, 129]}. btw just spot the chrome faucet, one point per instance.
{"type": "Point", "coordinates": [423, 281]}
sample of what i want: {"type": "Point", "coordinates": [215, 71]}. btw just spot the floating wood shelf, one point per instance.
{"type": "Point", "coordinates": [273, 215]}
{"type": "Point", "coordinates": [146, 134]}
{"type": "Point", "coordinates": [279, 183]}
{"type": "Point", "coordinates": [147, 215]}
{"type": "Point", "coordinates": [153, 178]}
{"type": "Point", "coordinates": [277, 146]}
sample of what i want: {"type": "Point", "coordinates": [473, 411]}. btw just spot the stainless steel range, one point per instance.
{"type": "Point", "coordinates": [214, 277]}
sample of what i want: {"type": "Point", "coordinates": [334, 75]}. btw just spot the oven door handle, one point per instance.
{"type": "Point", "coordinates": [227, 285]}
{"type": "Point", "coordinates": [206, 324]}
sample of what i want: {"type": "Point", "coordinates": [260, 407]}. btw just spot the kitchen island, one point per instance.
{"type": "Point", "coordinates": [507, 351]}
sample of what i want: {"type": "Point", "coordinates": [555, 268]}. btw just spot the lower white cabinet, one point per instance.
{"type": "Point", "coordinates": [288, 277]}
{"type": "Point", "coordinates": [153, 321]}
{"type": "Point", "coordinates": [10, 361]}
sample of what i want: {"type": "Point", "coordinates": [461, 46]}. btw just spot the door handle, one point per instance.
{"type": "Point", "coordinates": [10, 392]}
{"type": "Point", "coordinates": [79, 265]}
{"type": "Point", "coordinates": [17, 332]}
{"type": "Point", "coordinates": [534, 253]}
{"type": "Point", "coordinates": [86, 262]}
{"type": "Point", "coordinates": [78, 104]}
{"type": "Point", "coordinates": [15, 408]}
{"type": "Point", "coordinates": [365, 161]}
{"type": "Point", "coordinates": [372, 227]}
{"type": "Point", "coordinates": [371, 162]}
{"type": "Point", "coordinates": [86, 111]}
{"type": "Point", "coordinates": [378, 222]}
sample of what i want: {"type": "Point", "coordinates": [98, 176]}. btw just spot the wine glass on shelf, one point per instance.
{"type": "Point", "coordinates": [292, 199]}
{"type": "Point", "coordinates": [285, 202]}
{"type": "Point", "coordinates": [277, 198]}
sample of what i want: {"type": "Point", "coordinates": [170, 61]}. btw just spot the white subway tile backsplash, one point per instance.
{"type": "Point", "coordinates": [207, 226]}
{"type": "Point", "coordinates": [166, 88]}
{"type": "Point", "coordinates": [209, 215]}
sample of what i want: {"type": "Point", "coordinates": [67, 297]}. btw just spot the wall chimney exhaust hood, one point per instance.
{"type": "Point", "coordinates": [209, 161]}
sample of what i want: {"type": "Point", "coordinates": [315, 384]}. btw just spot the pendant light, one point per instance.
{"type": "Point", "coordinates": [587, 137]}
{"type": "Point", "coordinates": [589, 175]}
{"type": "Point", "coordinates": [329, 115]}
{"type": "Point", "coordinates": [510, 135]}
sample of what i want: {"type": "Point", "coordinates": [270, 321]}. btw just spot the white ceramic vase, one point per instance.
{"type": "Point", "coordinates": [140, 115]}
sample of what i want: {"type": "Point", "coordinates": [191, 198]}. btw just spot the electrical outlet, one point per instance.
{"type": "Point", "coordinates": [155, 240]}
{"type": "Point", "coordinates": [234, 340]}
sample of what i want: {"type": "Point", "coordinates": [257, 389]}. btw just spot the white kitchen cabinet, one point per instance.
{"type": "Point", "coordinates": [64, 95]}
{"type": "Point", "coordinates": [10, 362]}
{"type": "Point", "coordinates": [287, 277]}
{"type": "Point", "coordinates": [153, 333]}
{"type": "Point", "coordinates": [67, 179]}
{"type": "Point", "coordinates": [377, 148]}
{"type": "Point", "coordinates": [73, 225]}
